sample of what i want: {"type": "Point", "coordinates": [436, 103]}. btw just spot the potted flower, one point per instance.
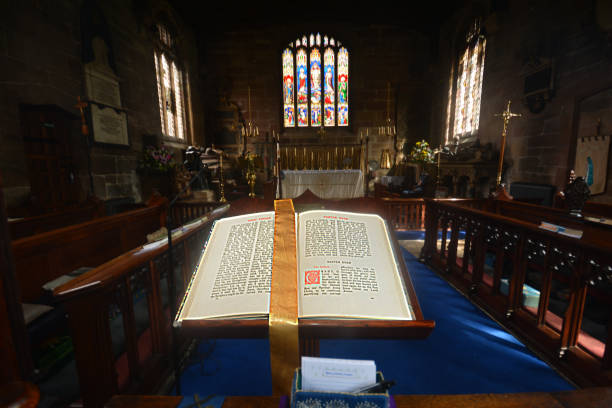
{"type": "Point", "coordinates": [421, 153]}
{"type": "Point", "coordinates": [156, 168]}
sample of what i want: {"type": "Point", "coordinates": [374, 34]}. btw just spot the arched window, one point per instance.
{"type": "Point", "coordinates": [315, 83]}
{"type": "Point", "coordinates": [172, 86]}
{"type": "Point", "coordinates": [465, 87]}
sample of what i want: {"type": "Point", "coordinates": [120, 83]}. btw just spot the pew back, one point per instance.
{"type": "Point", "coordinates": [24, 227]}
{"type": "Point", "coordinates": [43, 257]}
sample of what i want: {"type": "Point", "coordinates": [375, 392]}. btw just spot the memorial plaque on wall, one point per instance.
{"type": "Point", "coordinates": [109, 125]}
{"type": "Point", "coordinates": [102, 86]}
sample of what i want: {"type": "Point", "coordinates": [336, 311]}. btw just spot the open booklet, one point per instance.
{"type": "Point", "coordinates": [346, 269]}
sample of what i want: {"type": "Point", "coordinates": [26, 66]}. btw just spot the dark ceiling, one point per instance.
{"type": "Point", "coordinates": [422, 15]}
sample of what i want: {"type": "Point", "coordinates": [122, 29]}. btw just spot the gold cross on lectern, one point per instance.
{"type": "Point", "coordinates": [506, 115]}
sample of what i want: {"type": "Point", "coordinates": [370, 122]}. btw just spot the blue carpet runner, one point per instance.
{"type": "Point", "coordinates": [466, 353]}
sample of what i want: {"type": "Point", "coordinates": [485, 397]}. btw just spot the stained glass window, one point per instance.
{"type": "Point", "coordinates": [171, 85]}
{"type": "Point", "coordinates": [465, 88]}
{"type": "Point", "coordinates": [329, 88]}
{"type": "Point", "coordinates": [342, 87]}
{"type": "Point", "coordinates": [315, 87]}
{"type": "Point", "coordinates": [315, 82]}
{"type": "Point", "coordinates": [288, 81]}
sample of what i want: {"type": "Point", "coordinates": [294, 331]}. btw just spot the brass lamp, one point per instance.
{"type": "Point", "coordinates": [385, 159]}
{"type": "Point", "coordinates": [249, 129]}
{"type": "Point", "coordinates": [387, 129]}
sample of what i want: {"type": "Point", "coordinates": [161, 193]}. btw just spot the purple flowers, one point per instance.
{"type": "Point", "coordinates": [157, 158]}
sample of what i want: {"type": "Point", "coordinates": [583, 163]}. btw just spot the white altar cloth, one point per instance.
{"type": "Point", "coordinates": [324, 183]}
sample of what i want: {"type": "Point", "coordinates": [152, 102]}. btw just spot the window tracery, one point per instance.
{"type": "Point", "coordinates": [465, 88]}
{"type": "Point", "coordinates": [172, 84]}
{"type": "Point", "coordinates": [315, 83]}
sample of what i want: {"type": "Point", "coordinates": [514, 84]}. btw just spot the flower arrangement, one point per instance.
{"type": "Point", "coordinates": [421, 153]}
{"type": "Point", "coordinates": [158, 159]}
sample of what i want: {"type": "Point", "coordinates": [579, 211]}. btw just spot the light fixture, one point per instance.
{"type": "Point", "coordinates": [388, 127]}
{"type": "Point", "coordinates": [249, 129]}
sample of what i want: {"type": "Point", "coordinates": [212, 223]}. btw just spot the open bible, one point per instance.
{"type": "Point", "coordinates": [347, 269]}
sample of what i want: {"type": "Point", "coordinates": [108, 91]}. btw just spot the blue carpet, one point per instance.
{"type": "Point", "coordinates": [466, 353]}
{"type": "Point", "coordinates": [401, 235]}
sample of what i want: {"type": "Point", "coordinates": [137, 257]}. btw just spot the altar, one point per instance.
{"type": "Point", "coordinates": [323, 183]}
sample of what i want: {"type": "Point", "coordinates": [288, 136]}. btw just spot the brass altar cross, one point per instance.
{"type": "Point", "coordinates": [321, 132]}
{"type": "Point", "coordinates": [506, 115]}
{"type": "Point", "coordinates": [80, 106]}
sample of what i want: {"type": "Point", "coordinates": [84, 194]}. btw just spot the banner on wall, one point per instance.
{"type": "Point", "coordinates": [592, 161]}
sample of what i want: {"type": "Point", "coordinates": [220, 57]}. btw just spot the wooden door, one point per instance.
{"type": "Point", "coordinates": [53, 177]}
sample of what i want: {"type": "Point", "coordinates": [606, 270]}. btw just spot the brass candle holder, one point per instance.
{"type": "Point", "coordinates": [222, 198]}
{"type": "Point", "coordinates": [249, 129]}
{"type": "Point", "coordinates": [251, 176]}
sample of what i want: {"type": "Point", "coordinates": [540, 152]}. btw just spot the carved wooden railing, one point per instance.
{"type": "Point", "coordinates": [409, 213]}
{"type": "Point", "coordinates": [554, 291]}
{"type": "Point", "coordinates": [405, 213]}
{"type": "Point", "coordinates": [185, 211]}
{"type": "Point", "coordinates": [119, 316]}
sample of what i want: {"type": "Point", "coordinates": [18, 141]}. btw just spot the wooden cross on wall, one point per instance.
{"type": "Point", "coordinates": [80, 106]}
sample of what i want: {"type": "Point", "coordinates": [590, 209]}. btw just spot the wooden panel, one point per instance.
{"type": "Point", "coordinates": [14, 350]}
{"type": "Point", "coordinates": [53, 176]}
{"type": "Point", "coordinates": [143, 401]}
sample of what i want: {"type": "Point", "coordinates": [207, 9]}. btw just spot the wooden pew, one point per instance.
{"type": "Point", "coordinates": [98, 298]}
{"type": "Point", "coordinates": [24, 227]}
{"type": "Point", "coordinates": [569, 271]}
{"type": "Point", "coordinates": [590, 207]}
{"type": "Point", "coordinates": [43, 257]}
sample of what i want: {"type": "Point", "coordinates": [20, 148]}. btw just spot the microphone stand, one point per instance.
{"type": "Point", "coordinates": [172, 283]}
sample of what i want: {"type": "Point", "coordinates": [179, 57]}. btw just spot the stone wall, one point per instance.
{"type": "Point", "coordinates": [541, 146]}
{"type": "Point", "coordinates": [41, 63]}
{"type": "Point", "coordinates": [379, 54]}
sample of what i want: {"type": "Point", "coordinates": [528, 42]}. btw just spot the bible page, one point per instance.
{"type": "Point", "coordinates": [347, 268]}
{"type": "Point", "coordinates": [234, 273]}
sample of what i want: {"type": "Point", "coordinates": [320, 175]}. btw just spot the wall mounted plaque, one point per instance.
{"type": "Point", "coordinates": [109, 125]}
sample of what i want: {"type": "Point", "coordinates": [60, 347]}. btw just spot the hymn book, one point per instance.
{"type": "Point", "coordinates": [347, 269]}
